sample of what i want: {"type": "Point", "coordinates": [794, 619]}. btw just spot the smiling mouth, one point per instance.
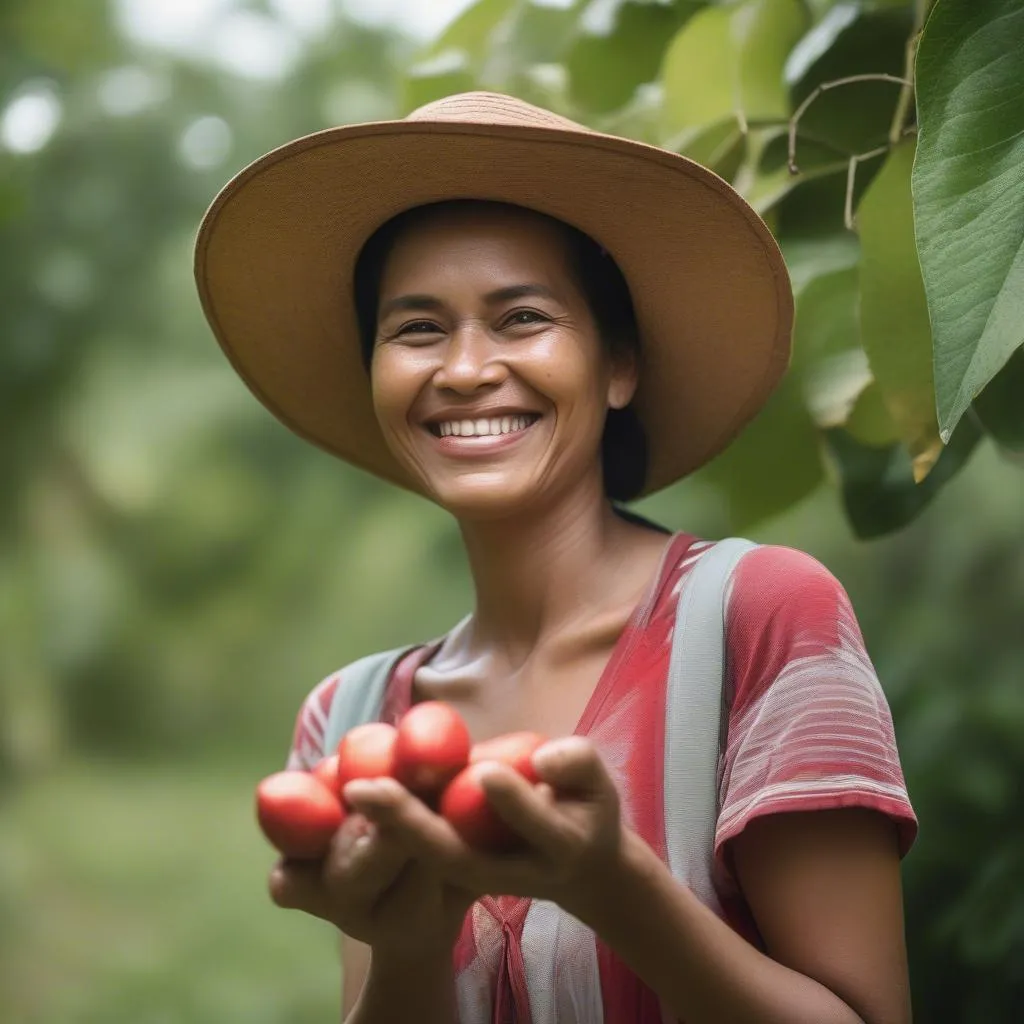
{"type": "Point", "coordinates": [493, 426]}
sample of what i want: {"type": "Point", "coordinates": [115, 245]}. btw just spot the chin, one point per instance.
{"type": "Point", "coordinates": [484, 496]}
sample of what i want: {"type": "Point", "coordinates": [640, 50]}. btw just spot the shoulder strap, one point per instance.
{"type": "Point", "coordinates": [694, 717]}
{"type": "Point", "coordinates": [359, 695]}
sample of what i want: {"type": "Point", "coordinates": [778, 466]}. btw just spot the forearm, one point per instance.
{"type": "Point", "coordinates": [704, 971]}
{"type": "Point", "coordinates": [400, 988]}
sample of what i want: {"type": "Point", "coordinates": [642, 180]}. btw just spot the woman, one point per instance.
{"type": "Point", "coordinates": [530, 324]}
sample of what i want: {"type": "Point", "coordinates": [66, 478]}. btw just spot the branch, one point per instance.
{"type": "Point", "coordinates": [824, 87]}
{"type": "Point", "coordinates": [851, 178]}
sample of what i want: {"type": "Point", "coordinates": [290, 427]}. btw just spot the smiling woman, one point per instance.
{"type": "Point", "coordinates": [531, 324]}
{"type": "Point", "coordinates": [488, 292]}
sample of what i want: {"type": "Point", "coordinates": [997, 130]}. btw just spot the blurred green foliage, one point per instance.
{"type": "Point", "coordinates": [176, 570]}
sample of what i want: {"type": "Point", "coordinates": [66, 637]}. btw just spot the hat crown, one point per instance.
{"type": "Point", "coordinates": [491, 108]}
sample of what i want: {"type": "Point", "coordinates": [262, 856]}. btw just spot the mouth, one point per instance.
{"type": "Point", "coordinates": [488, 428]}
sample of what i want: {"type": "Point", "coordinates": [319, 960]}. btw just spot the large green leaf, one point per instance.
{"type": "Point", "coordinates": [894, 314]}
{"type": "Point", "coordinates": [969, 193]}
{"type": "Point", "coordinates": [1000, 407]}
{"type": "Point", "coordinates": [833, 369]}
{"type": "Point", "coordinates": [725, 66]}
{"type": "Point", "coordinates": [624, 50]}
{"type": "Point", "coordinates": [880, 494]}
{"type": "Point", "coordinates": [773, 464]}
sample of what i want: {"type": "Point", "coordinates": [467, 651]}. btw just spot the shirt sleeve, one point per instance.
{"type": "Point", "coordinates": [809, 726]}
{"type": "Point", "coordinates": [311, 725]}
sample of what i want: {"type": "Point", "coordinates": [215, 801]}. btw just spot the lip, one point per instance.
{"type": "Point", "coordinates": [463, 413]}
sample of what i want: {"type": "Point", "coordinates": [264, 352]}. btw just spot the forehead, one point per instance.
{"type": "Point", "coordinates": [474, 239]}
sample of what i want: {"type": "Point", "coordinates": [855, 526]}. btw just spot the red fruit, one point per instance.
{"type": "Point", "coordinates": [432, 748]}
{"type": "Point", "coordinates": [464, 805]}
{"type": "Point", "coordinates": [326, 771]}
{"type": "Point", "coordinates": [366, 752]}
{"type": "Point", "coordinates": [514, 749]}
{"type": "Point", "coordinates": [298, 813]}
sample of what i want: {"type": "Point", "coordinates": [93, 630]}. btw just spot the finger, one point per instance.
{"type": "Point", "coordinates": [297, 885]}
{"type": "Point", "coordinates": [572, 765]}
{"type": "Point", "coordinates": [529, 810]}
{"type": "Point", "coordinates": [408, 821]}
{"type": "Point", "coordinates": [361, 862]}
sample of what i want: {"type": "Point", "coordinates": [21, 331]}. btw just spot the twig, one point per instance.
{"type": "Point", "coordinates": [899, 117]}
{"type": "Point", "coordinates": [851, 178]}
{"type": "Point", "coordinates": [824, 87]}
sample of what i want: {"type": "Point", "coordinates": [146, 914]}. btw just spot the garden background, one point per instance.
{"type": "Point", "coordinates": [177, 570]}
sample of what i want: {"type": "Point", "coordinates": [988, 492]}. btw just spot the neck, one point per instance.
{"type": "Point", "coordinates": [533, 574]}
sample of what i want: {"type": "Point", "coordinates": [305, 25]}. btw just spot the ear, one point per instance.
{"type": "Point", "coordinates": [622, 382]}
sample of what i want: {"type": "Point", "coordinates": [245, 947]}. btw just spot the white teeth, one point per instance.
{"type": "Point", "coordinates": [483, 427]}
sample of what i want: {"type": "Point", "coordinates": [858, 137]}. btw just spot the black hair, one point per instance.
{"type": "Point", "coordinates": [624, 451]}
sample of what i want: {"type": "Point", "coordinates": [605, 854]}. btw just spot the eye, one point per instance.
{"type": "Point", "coordinates": [524, 318]}
{"type": "Point", "coordinates": [418, 327]}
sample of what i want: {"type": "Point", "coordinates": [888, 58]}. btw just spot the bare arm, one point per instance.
{"type": "Point", "coordinates": [387, 989]}
{"type": "Point", "coordinates": [355, 965]}
{"type": "Point", "coordinates": [825, 891]}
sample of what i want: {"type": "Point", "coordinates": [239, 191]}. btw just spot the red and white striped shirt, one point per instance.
{"type": "Point", "coordinates": [809, 728]}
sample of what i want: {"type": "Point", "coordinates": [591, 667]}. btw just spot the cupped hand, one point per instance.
{"type": "Point", "coordinates": [570, 827]}
{"type": "Point", "coordinates": [372, 888]}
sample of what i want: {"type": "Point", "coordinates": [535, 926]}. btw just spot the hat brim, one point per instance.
{"type": "Point", "coordinates": [276, 252]}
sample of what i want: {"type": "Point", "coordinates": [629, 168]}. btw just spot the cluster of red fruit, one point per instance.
{"type": "Point", "coordinates": [429, 753]}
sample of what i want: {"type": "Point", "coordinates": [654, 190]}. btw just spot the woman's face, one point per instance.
{"type": "Point", "coordinates": [490, 381]}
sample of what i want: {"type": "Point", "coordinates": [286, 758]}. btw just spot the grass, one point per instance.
{"type": "Point", "coordinates": [139, 894]}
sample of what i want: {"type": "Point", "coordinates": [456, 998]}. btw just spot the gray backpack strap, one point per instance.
{"type": "Point", "coordinates": [359, 695]}
{"type": "Point", "coordinates": [694, 719]}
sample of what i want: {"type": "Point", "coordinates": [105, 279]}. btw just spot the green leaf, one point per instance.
{"type": "Point", "coordinates": [838, 388]}
{"type": "Point", "coordinates": [969, 193]}
{"type": "Point", "coordinates": [531, 35]}
{"type": "Point", "coordinates": [436, 77]}
{"type": "Point", "coordinates": [894, 315]}
{"type": "Point", "coordinates": [725, 65]}
{"type": "Point", "coordinates": [1000, 407]}
{"type": "Point", "coordinates": [764, 179]}
{"type": "Point", "coordinates": [877, 484]}
{"type": "Point", "coordinates": [472, 31]}
{"type": "Point", "coordinates": [855, 117]}
{"type": "Point", "coordinates": [826, 316]}
{"type": "Point", "coordinates": [820, 39]}
{"type": "Point", "coordinates": [774, 463]}
{"type": "Point", "coordinates": [610, 60]}
{"type": "Point", "coordinates": [453, 62]}
{"type": "Point", "coordinates": [812, 257]}
{"type": "Point", "coordinates": [869, 421]}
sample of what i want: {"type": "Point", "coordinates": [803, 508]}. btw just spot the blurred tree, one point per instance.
{"type": "Point", "coordinates": [176, 570]}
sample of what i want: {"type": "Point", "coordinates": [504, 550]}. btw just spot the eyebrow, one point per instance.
{"type": "Point", "coordinates": [506, 294]}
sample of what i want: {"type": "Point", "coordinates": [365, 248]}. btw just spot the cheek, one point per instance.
{"type": "Point", "coordinates": [571, 373]}
{"type": "Point", "coordinates": [396, 380]}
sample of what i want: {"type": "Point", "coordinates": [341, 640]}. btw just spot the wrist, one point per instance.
{"type": "Point", "coordinates": [405, 954]}
{"type": "Point", "coordinates": [619, 881]}
{"type": "Point", "coordinates": [403, 986]}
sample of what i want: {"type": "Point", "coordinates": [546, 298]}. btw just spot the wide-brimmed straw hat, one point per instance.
{"type": "Point", "coordinates": [276, 252]}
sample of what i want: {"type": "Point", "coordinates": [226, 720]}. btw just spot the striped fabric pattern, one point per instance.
{"type": "Point", "coordinates": [808, 728]}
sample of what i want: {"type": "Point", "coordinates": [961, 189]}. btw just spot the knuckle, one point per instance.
{"type": "Point", "coordinates": [280, 888]}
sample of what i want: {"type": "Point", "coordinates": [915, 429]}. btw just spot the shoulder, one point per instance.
{"type": "Point", "coordinates": [785, 608]}
{"type": "Point", "coordinates": [349, 687]}
{"type": "Point", "coordinates": [772, 577]}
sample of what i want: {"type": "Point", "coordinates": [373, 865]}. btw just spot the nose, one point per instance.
{"type": "Point", "coordinates": [470, 360]}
